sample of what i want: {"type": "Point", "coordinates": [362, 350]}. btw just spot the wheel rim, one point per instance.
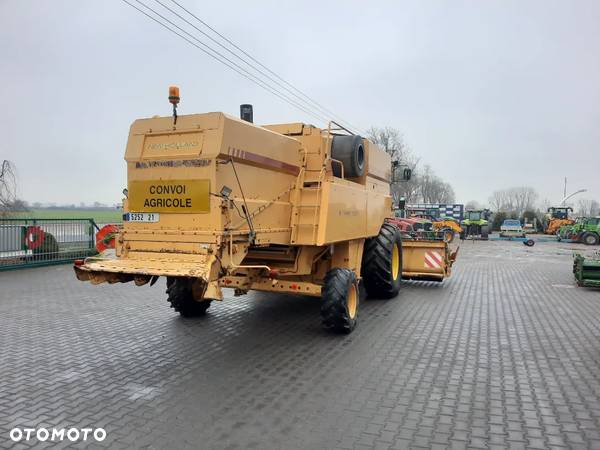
{"type": "Point", "coordinates": [395, 262]}
{"type": "Point", "coordinates": [590, 240]}
{"type": "Point", "coordinates": [352, 301]}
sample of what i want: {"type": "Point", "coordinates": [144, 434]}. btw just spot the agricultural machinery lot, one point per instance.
{"type": "Point", "coordinates": [505, 353]}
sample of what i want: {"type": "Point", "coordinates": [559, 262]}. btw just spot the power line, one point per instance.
{"type": "Point", "coordinates": [245, 61]}
{"type": "Point", "coordinates": [233, 44]}
{"type": "Point", "coordinates": [306, 107]}
{"type": "Point", "coordinates": [230, 64]}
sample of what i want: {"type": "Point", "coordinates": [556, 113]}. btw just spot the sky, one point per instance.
{"type": "Point", "coordinates": [491, 94]}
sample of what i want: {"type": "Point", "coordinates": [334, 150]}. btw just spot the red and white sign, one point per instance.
{"type": "Point", "coordinates": [433, 260]}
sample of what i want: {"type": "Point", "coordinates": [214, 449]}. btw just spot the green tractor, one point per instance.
{"type": "Point", "coordinates": [587, 231]}
{"type": "Point", "coordinates": [476, 224]}
{"type": "Point", "coordinates": [567, 232]}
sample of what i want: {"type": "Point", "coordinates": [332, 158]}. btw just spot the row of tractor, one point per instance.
{"type": "Point", "coordinates": [426, 221]}
{"type": "Point", "coordinates": [429, 222]}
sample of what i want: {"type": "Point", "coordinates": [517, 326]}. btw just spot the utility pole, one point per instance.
{"type": "Point", "coordinates": [565, 190]}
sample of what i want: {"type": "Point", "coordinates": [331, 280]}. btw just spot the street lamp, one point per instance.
{"type": "Point", "coordinates": [573, 194]}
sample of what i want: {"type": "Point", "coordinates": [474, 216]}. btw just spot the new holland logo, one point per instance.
{"type": "Point", "coordinates": [433, 260]}
{"type": "Point", "coordinates": [173, 145]}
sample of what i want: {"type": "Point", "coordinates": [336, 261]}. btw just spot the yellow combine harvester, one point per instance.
{"type": "Point", "coordinates": [214, 201]}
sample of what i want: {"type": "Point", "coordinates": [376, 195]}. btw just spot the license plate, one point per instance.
{"type": "Point", "coordinates": [141, 217]}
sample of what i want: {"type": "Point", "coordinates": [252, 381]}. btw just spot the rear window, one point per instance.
{"type": "Point", "coordinates": [512, 223]}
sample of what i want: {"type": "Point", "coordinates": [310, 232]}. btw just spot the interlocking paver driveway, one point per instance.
{"type": "Point", "coordinates": [505, 354]}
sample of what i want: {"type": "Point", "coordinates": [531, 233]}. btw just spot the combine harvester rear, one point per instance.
{"type": "Point", "coordinates": [214, 201]}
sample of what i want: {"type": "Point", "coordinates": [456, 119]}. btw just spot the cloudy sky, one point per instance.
{"type": "Point", "coordinates": [492, 94]}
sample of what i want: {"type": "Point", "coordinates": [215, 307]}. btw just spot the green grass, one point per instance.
{"type": "Point", "coordinates": [99, 215]}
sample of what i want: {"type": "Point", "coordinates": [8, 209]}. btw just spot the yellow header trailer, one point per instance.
{"type": "Point", "coordinates": [214, 201]}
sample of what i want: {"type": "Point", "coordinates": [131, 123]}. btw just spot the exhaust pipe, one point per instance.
{"type": "Point", "coordinates": [246, 113]}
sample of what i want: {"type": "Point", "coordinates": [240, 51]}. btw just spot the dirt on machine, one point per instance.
{"type": "Point", "coordinates": [215, 201]}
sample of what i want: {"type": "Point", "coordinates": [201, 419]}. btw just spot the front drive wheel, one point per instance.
{"type": "Point", "coordinates": [591, 239]}
{"type": "Point", "coordinates": [340, 300]}
{"type": "Point", "coordinates": [180, 296]}
{"type": "Point", "coordinates": [382, 263]}
{"type": "Point", "coordinates": [485, 233]}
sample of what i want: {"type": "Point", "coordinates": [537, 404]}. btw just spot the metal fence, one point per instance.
{"type": "Point", "coordinates": [37, 242]}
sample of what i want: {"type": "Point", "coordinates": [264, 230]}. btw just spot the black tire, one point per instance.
{"type": "Point", "coordinates": [341, 298]}
{"type": "Point", "coordinates": [179, 291]}
{"type": "Point", "coordinates": [462, 235]}
{"type": "Point", "coordinates": [351, 152]}
{"type": "Point", "coordinates": [590, 239]}
{"type": "Point", "coordinates": [485, 233]}
{"type": "Point", "coordinates": [381, 277]}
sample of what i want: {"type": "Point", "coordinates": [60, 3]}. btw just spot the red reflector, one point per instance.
{"type": "Point", "coordinates": [78, 262]}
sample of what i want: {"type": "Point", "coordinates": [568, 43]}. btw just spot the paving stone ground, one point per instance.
{"type": "Point", "coordinates": [505, 354]}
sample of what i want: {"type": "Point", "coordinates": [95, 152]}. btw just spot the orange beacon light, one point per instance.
{"type": "Point", "coordinates": [174, 100]}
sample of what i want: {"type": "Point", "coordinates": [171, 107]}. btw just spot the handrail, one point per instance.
{"type": "Point", "coordinates": [341, 166]}
{"type": "Point", "coordinates": [318, 204]}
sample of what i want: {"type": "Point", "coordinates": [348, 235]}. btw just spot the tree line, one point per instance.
{"type": "Point", "coordinates": [9, 202]}
{"type": "Point", "coordinates": [521, 202]}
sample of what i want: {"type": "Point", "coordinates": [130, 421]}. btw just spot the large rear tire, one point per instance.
{"type": "Point", "coordinates": [179, 291]}
{"type": "Point", "coordinates": [485, 232]}
{"type": "Point", "coordinates": [341, 297]}
{"type": "Point", "coordinates": [382, 263]}
{"type": "Point", "coordinates": [590, 239]}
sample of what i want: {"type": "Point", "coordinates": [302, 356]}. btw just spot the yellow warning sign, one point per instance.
{"type": "Point", "coordinates": [170, 196]}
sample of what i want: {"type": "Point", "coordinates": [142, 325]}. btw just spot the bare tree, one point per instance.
{"type": "Point", "coordinates": [425, 186]}
{"type": "Point", "coordinates": [8, 187]}
{"type": "Point", "coordinates": [588, 208]}
{"type": "Point", "coordinates": [392, 142]}
{"type": "Point", "coordinates": [500, 201]}
{"type": "Point", "coordinates": [445, 193]}
{"type": "Point", "coordinates": [433, 189]}
{"type": "Point", "coordinates": [545, 204]}
{"type": "Point", "coordinates": [516, 199]}
{"type": "Point", "coordinates": [524, 198]}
